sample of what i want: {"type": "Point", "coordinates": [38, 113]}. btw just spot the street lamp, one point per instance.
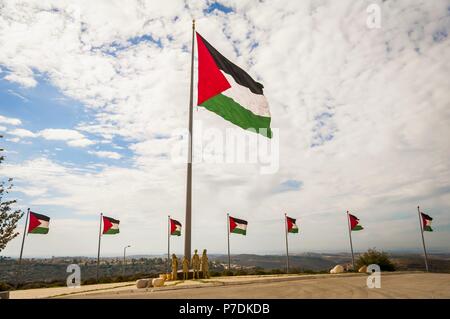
{"type": "Point", "coordinates": [123, 264]}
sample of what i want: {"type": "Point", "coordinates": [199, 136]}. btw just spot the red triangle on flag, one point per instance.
{"type": "Point", "coordinates": [211, 80]}
{"type": "Point", "coordinates": [34, 222]}
{"type": "Point", "coordinates": [106, 224]}
{"type": "Point", "coordinates": [232, 224]}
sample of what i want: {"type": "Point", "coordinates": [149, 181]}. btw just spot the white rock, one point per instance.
{"type": "Point", "coordinates": [158, 282]}
{"type": "Point", "coordinates": [142, 283]}
{"type": "Point", "coordinates": [337, 269]}
{"type": "Point", "coordinates": [363, 269]}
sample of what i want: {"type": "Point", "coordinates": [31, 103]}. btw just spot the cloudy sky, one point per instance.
{"type": "Point", "coordinates": [93, 95]}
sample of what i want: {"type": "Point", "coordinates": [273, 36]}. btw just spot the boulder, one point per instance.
{"type": "Point", "coordinates": [142, 283]}
{"type": "Point", "coordinates": [363, 269]}
{"type": "Point", "coordinates": [158, 282]}
{"type": "Point", "coordinates": [337, 269]}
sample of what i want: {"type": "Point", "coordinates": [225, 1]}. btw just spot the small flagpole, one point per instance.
{"type": "Point", "coordinates": [187, 235]}
{"type": "Point", "coordinates": [24, 233]}
{"type": "Point", "coordinates": [287, 247]}
{"type": "Point", "coordinates": [423, 239]}
{"type": "Point", "coordinates": [228, 235]}
{"type": "Point", "coordinates": [168, 245]}
{"type": "Point", "coordinates": [99, 241]}
{"type": "Point", "coordinates": [23, 241]}
{"type": "Point", "coordinates": [351, 244]}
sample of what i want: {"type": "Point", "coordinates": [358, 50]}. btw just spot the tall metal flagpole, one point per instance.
{"type": "Point", "coordinates": [187, 236]}
{"type": "Point", "coordinates": [99, 240]}
{"type": "Point", "coordinates": [228, 234]}
{"type": "Point", "coordinates": [287, 247]}
{"type": "Point", "coordinates": [423, 239]}
{"type": "Point", "coordinates": [168, 245]}
{"type": "Point", "coordinates": [351, 244]}
{"type": "Point", "coordinates": [21, 248]}
{"type": "Point", "coordinates": [24, 233]}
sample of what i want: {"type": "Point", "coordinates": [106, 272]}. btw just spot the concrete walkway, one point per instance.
{"type": "Point", "coordinates": [64, 291]}
{"type": "Point", "coordinates": [130, 287]}
{"type": "Point", "coordinates": [394, 285]}
{"type": "Point", "coordinates": [412, 285]}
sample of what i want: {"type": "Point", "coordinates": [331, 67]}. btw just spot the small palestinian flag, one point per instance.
{"type": "Point", "coordinates": [175, 227]}
{"type": "Point", "coordinates": [110, 226]}
{"type": "Point", "coordinates": [426, 222]}
{"type": "Point", "coordinates": [227, 90]}
{"type": "Point", "coordinates": [291, 225]}
{"type": "Point", "coordinates": [354, 223]}
{"type": "Point", "coordinates": [238, 226]}
{"type": "Point", "coordinates": [38, 224]}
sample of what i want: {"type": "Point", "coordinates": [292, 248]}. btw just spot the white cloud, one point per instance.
{"type": "Point", "coordinates": [2, 128]}
{"type": "Point", "coordinates": [106, 154]}
{"type": "Point", "coordinates": [83, 142]}
{"type": "Point", "coordinates": [72, 137]}
{"type": "Point", "coordinates": [9, 120]}
{"type": "Point", "coordinates": [23, 133]}
{"type": "Point", "coordinates": [373, 102]}
{"type": "Point", "coordinates": [60, 134]}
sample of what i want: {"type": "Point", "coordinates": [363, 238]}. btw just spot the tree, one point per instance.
{"type": "Point", "coordinates": [373, 256]}
{"type": "Point", "coordinates": [8, 217]}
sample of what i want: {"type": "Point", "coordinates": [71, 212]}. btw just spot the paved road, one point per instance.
{"type": "Point", "coordinates": [418, 285]}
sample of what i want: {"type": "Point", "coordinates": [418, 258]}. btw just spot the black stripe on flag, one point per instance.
{"type": "Point", "coordinates": [176, 222]}
{"type": "Point", "coordinates": [240, 76]}
{"type": "Point", "coordinates": [428, 217]}
{"type": "Point", "coordinates": [239, 221]}
{"type": "Point", "coordinates": [112, 220]}
{"type": "Point", "coordinates": [40, 217]}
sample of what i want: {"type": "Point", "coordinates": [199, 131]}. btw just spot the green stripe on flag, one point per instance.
{"type": "Point", "coordinates": [239, 231]}
{"type": "Point", "coordinates": [39, 230]}
{"type": "Point", "coordinates": [112, 231]}
{"type": "Point", "coordinates": [357, 227]}
{"type": "Point", "coordinates": [237, 114]}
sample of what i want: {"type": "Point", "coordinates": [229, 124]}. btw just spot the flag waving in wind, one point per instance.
{"type": "Point", "coordinates": [227, 90]}
{"type": "Point", "coordinates": [38, 223]}
{"type": "Point", "coordinates": [238, 226]}
{"type": "Point", "coordinates": [175, 227]}
{"type": "Point", "coordinates": [110, 226]}
{"type": "Point", "coordinates": [426, 222]}
{"type": "Point", "coordinates": [354, 223]}
{"type": "Point", "coordinates": [292, 226]}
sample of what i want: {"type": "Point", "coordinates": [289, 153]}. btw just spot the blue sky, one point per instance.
{"type": "Point", "coordinates": [93, 98]}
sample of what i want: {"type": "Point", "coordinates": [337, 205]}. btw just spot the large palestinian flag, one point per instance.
{"type": "Point", "coordinates": [238, 226]}
{"type": "Point", "coordinates": [291, 225]}
{"type": "Point", "coordinates": [38, 223]}
{"type": "Point", "coordinates": [426, 222]}
{"type": "Point", "coordinates": [354, 223]}
{"type": "Point", "coordinates": [110, 226]}
{"type": "Point", "coordinates": [227, 90]}
{"type": "Point", "coordinates": [175, 227]}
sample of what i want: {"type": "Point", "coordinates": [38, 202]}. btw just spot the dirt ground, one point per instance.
{"type": "Point", "coordinates": [410, 285]}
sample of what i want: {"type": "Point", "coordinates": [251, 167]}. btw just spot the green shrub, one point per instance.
{"type": "Point", "coordinates": [373, 256]}
{"type": "Point", "coordinates": [228, 273]}
{"type": "Point", "coordinates": [241, 272]}
{"type": "Point", "coordinates": [5, 286]}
